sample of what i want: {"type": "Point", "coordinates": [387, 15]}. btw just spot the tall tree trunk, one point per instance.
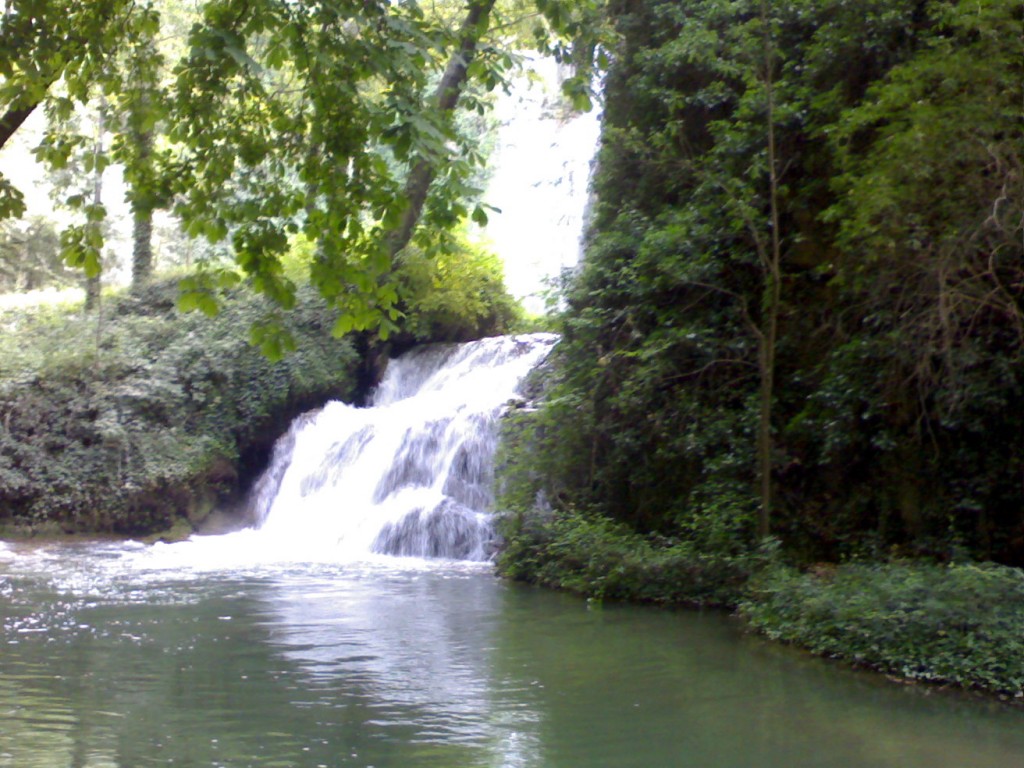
{"type": "Point", "coordinates": [12, 119]}
{"type": "Point", "coordinates": [772, 267]}
{"type": "Point", "coordinates": [447, 96]}
{"type": "Point", "coordinates": [142, 246]}
{"type": "Point", "coordinates": [142, 220]}
{"type": "Point", "coordinates": [93, 284]}
{"type": "Point", "coordinates": [50, 59]}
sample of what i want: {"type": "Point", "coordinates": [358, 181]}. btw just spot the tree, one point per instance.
{"type": "Point", "coordinates": [933, 164]}
{"type": "Point", "coordinates": [314, 118]}
{"type": "Point", "coordinates": [930, 217]}
{"type": "Point", "coordinates": [318, 118]}
{"type": "Point", "coordinates": [142, 107]}
{"type": "Point", "coordinates": [123, 83]}
{"type": "Point", "coordinates": [76, 173]}
{"type": "Point", "coordinates": [86, 253]}
{"type": "Point", "coordinates": [453, 82]}
{"type": "Point", "coordinates": [757, 201]}
{"type": "Point", "coordinates": [46, 42]}
{"type": "Point", "coordinates": [800, 306]}
{"type": "Point", "coordinates": [30, 256]}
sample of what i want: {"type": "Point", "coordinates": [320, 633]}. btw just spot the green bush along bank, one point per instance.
{"type": "Point", "coordinates": [961, 624]}
{"type": "Point", "coordinates": [144, 417]}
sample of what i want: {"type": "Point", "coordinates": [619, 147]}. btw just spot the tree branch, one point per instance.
{"type": "Point", "coordinates": [12, 120]}
{"type": "Point", "coordinates": [447, 96]}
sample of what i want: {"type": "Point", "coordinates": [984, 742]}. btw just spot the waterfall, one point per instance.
{"type": "Point", "coordinates": [412, 473]}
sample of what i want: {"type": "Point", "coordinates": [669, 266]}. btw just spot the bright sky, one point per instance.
{"type": "Point", "coordinates": [541, 184]}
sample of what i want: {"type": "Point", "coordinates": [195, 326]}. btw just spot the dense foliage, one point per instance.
{"type": "Point", "coordinates": [600, 559]}
{"type": "Point", "coordinates": [808, 239]}
{"type": "Point", "coordinates": [30, 256]}
{"type": "Point", "coordinates": [956, 624]}
{"type": "Point", "coordinates": [255, 121]}
{"type": "Point", "coordinates": [156, 415]}
{"type": "Point", "coordinates": [456, 295]}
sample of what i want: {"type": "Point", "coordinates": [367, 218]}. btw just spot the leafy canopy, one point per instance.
{"type": "Point", "coordinates": [282, 118]}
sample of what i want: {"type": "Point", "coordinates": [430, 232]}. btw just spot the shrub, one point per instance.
{"type": "Point", "coordinates": [554, 540]}
{"type": "Point", "coordinates": [959, 624]}
{"type": "Point", "coordinates": [596, 557]}
{"type": "Point", "coordinates": [455, 294]}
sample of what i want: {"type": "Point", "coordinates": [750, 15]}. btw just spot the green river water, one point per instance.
{"type": "Point", "coordinates": [115, 656]}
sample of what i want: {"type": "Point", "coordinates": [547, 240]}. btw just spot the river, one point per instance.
{"type": "Point", "coordinates": [120, 656]}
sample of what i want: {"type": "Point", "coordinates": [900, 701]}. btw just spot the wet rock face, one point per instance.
{"type": "Point", "coordinates": [450, 531]}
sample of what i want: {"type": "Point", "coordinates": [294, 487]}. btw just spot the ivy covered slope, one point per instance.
{"type": "Point", "coordinates": [801, 314]}
{"type": "Point", "coordinates": [957, 623]}
{"type": "Point", "coordinates": [150, 416]}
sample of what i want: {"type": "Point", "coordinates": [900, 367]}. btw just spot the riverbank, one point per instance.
{"type": "Point", "coordinates": [955, 625]}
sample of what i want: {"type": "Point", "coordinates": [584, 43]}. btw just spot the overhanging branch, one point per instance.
{"type": "Point", "coordinates": [446, 97]}
{"type": "Point", "coordinates": [12, 121]}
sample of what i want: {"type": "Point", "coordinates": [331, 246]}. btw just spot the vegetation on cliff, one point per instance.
{"type": "Point", "coordinates": [800, 320]}
{"type": "Point", "coordinates": [150, 415]}
{"type": "Point", "coordinates": [881, 148]}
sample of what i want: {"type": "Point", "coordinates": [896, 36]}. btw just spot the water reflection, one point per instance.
{"type": "Point", "coordinates": [324, 666]}
{"type": "Point", "coordinates": [111, 661]}
{"type": "Point", "coordinates": [693, 690]}
{"type": "Point", "coordinates": [417, 646]}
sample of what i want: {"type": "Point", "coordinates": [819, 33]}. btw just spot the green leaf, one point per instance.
{"type": "Point", "coordinates": [12, 201]}
{"type": "Point", "coordinates": [207, 304]}
{"type": "Point", "coordinates": [343, 325]}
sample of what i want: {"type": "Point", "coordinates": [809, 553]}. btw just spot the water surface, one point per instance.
{"type": "Point", "coordinates": [119, 656]}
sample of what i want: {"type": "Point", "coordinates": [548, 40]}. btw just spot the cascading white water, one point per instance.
{"type": "Point", "coordinates": [409, 475]}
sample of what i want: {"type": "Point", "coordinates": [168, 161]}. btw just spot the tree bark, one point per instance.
{"type": "Point", "coordinates": [771, 297]}
{"type": "Point", "coordinates": [81, 26]}
{"type": "Point", "coordinates": [94, 284]}
{"type": "Point", "coordinates": [447, 97]}
{"type": "Point", "coordinates": [142, 246]}
{"type": "Point", "coordinates": [12, 120]}
{"type": "Point", "coordinates": [142, 224]}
